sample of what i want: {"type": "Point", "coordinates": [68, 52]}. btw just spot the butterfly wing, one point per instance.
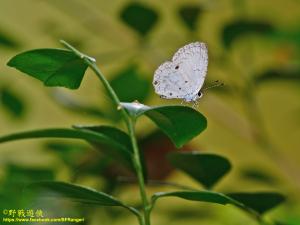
{"type": "Point", "coordinates": [193, 61]}
{"type": "Point", "coordinates": [167, 81]}
{"type": "Point", "coordinates": [185, 75]}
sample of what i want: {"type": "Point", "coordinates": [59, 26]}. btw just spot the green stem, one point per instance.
{"type": "Point", "coordinates": [139, 170]}
{"type": "Point", "coordinates": [130, 123]}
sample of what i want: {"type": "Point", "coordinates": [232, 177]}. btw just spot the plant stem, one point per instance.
{"type": "Point", "coordinates": [139, 170]}
{"type": "Point", "coordinates": [130, 123]}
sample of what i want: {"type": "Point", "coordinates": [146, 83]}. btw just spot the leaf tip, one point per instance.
{"type": "Point", "coordinates": [10, 62]}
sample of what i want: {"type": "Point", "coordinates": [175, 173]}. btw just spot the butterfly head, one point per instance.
{"type": "Point", "coordinates": [200, 94]}
{"type": "Point", "coordinates": [193, 98]}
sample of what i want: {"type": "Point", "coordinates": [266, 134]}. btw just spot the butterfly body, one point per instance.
{"type": "Point", "coordinates": [183, 77]}
{"type": "Point", "coordinates": [188, 98]}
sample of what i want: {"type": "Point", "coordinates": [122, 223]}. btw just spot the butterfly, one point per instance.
{"type": "Point", "coordinates": [184, 76]}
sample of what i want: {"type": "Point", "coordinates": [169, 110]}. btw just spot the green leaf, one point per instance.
{"type": "Point", "coordinates": [206, 168]}
{"type": "Point", "coordinates": [259, 175]}
{"type": "Point", "coordinates": [237, 29]}
{"type": "Point", "coordinates": [248, 202]}
{"type": "Point", "coordinates": [12, 102]}
{"type": "Point", "coordinates": [120, 151]}
{"type": "Point", "coordinates": [200, 196]}
{"type": "Point", "coordinates": [260, 202]}
{"type": "Point", "coordinates": [7, 41]}
{"type": "Point", "coordinates": [123, 82]}
{"type": "Point", "coordinates": [54, 67]}
{"type": "Point", "coordinates": [76, 193]}
{"type": "Point", "coordinates": [179, 123]}
{"type": "Point", "coordinates": [103, 136]}
{"type": "Point", "coordinates": [59, 133]}
{"type": "Point", "coordinates": [119, 136]}
{"type": "Point", "coordinates": [113, 142]}
{"type": "Point", "coordinates": [139, 17]}
{"type": "Point", "coordinates": [279, 75]}
{"type": "Point", "coordinates": [190, 15]}
{"type": "Point", "coordinates": [290, 36]}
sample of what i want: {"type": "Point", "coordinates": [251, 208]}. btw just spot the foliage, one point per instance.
{"type": "Point", "coordinates": [55, 67]}
{"type": "Point", "coordinates": [66, 68]}
{"type": "Point", "coordinates": [12, 102]}
{"type": "Point", "coordinates": [139, 17]}
{"type": "Point", "coordinates": [190, 15]}
{"type": "Point", "coordinates": [238, 29]}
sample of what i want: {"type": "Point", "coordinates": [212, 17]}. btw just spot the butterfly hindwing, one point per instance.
{"type": "Point", "coordinates": [167, 81]}
{"type": "Point", "coordinates": [185, 75]}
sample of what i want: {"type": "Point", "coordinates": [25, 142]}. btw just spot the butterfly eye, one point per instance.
{"type": "Point", "coordinates": [200, 94]}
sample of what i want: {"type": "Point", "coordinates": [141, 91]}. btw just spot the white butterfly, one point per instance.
{"type": "Point", "coordinates": [184, 76]}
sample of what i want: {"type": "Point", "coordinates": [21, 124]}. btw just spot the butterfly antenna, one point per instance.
{"type": "Point", "coordinates": [214, 85]}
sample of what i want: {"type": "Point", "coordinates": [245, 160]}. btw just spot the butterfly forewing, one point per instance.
{"type": "Point", "coordinates": [184, 76]}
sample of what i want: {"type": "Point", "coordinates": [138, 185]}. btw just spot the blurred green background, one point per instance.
{"type": "Point", "coordinates": [254, 48]}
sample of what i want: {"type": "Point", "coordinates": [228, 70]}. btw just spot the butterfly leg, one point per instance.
{"type": "Point", "coordinates": [194, 104]}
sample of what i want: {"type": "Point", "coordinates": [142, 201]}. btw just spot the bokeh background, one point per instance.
{"type": "Point", "coordinates": [254, 48]}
